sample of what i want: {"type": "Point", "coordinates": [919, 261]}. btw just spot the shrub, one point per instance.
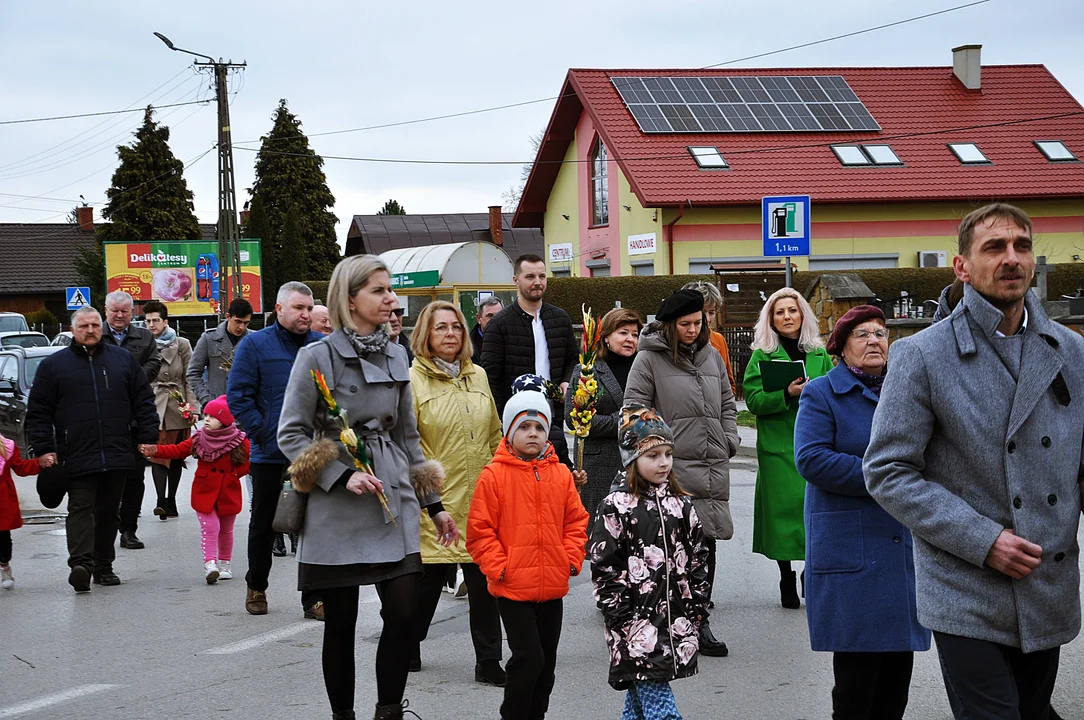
{"type": "Point", "coordinates": [636, 292]}
{"type": "Point", "coordinates": [319, 291]}
{"type": "Point", "coordinates": [41, 317]}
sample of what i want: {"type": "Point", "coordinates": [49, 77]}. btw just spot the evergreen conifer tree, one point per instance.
{"type": "Point", "coordinates": [289, 174]}
{"type": "Point", "coordinates": [257, 228]}
{"type": "Point", "coordinates": [392, 207]}
{"type": "Point", "coordinates": [293, 256]}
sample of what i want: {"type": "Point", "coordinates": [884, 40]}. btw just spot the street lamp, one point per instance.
{"type": "Point", "coordinates": [227, 230]}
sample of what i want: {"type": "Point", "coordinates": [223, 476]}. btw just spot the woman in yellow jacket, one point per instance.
{"type": "Point", "coordinates": [459, 426]}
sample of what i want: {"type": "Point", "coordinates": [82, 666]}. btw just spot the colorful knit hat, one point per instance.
{"type": "Point", "coordinates": [641, 429]}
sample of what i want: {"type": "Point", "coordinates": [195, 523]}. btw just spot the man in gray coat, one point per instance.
{"type": "Point", "coordinates": [211, 360]}
{"type": "Point", "coordinates": [976, 447]}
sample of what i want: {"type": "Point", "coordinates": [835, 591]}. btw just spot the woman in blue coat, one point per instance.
{"type": "Point", "coordinates": [860, 579]}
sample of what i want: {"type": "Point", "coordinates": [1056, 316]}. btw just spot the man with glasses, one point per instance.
{"type": "Point", "coordinates": [395, 328]}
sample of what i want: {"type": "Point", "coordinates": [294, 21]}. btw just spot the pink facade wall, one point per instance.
{"type": "Point", "coordinates": [607, 237]}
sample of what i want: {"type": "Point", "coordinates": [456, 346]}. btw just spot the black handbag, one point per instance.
{"type": "Point", "coordinates": [290, 512]}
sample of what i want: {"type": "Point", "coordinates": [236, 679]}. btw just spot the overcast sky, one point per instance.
{"type": "Point", "coordinates": [344, 65]}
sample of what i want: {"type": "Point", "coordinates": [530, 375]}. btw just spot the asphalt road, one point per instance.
{"type": "Point", "coordinates": [164, 644]}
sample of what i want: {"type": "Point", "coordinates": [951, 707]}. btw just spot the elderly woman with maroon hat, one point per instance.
{"type": "Point", "coordinates": [860, 584]}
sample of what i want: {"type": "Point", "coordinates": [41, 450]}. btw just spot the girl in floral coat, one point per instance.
{"type": "Point", "coordinates": [649, 567]}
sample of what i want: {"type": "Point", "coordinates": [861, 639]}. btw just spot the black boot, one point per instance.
{"type": "Point", "coordinates": [709, 645]}
{"type": "Point", "coordinates": [342, 714]}
{"type": "Point", "coordinates": [129, 541]}
{"type": "Point", "coordinates": [279, 548]}
{"type": "Point", "coordinates": [415, 664]}
{"type": "Point", "coordinates": [490, 672]}
{"type": "Point", "coordinates": [293, 543]}
{"type": "Point", "coordinates": [788, 590]}
{"type": "Point", "coordinates": [389, 712]}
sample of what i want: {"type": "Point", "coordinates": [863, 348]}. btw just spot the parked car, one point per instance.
{"type": "Point", "coordinates": [13, 322]}
{"type": "Point", "coordinates": [23, 339]}
{"type": "Point", "coordinates": [18, 366]}
{"type": "Point", "coordinates": [62, 339]}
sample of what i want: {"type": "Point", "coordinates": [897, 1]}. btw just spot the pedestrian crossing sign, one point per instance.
{"type": "Point", "coordinates": [77, 297]}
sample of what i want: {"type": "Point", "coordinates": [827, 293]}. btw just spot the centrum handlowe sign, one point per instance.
{"type": "Point", "coordinates": [183, 274]}
{"type": "Point", "coordinates": [423, 278]}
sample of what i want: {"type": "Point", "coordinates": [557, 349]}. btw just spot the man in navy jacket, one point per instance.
{"type": "Point", "coordinates": [84, 404]}
{"type": "Point", "coordinates": [254, 391]}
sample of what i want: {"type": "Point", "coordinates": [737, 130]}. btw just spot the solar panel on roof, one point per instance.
{"type": "Point", "coordinates": [745, 103]}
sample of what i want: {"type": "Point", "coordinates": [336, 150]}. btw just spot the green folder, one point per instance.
{"type": "Point", "coordinates": [777, 375]}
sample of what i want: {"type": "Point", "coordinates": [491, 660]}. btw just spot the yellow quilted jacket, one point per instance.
{"type": "Point", "coordinates": [460, 427]}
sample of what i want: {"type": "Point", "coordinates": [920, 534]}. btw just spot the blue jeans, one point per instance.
{"type": "Point", "coordinates": [650, 700]}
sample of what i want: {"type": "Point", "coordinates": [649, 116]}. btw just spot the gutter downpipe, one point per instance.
{"type": "Point", "coordinates": [670, 233]}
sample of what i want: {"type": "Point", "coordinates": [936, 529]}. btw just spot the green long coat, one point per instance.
{"type": "Point", "coordinates": [778, 517]}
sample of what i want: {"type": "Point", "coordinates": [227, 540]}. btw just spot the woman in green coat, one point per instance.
{"type": "Point", "coordinates": [786, 331]}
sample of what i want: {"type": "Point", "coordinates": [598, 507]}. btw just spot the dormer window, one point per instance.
{"type": "Point", "coordinates": [708, 158]}
{"type": "Point", "coordinates": [1055, 151]}
{"type": "Point", "coordinates": [968, 153]}
{"type": "Point", "coordinates": [858, 155]}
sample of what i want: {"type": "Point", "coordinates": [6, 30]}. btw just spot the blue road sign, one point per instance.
{"type": "Point", "coordinates": [785, 224]}
{"type": "Point", "coordinates": [77, 297]}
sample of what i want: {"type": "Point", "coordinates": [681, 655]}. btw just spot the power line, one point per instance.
{"type": "Point", "coordinates": [38, 197]}
{"type": "Point", "coordinates": [508, 106]}
{"type": "Point", "coordinates": [96, 114]}
{"type": "Point", "coordinates": [750, 151]}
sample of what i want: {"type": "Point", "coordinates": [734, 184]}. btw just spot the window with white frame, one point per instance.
{"type": "Point", "coordinates": [968, 153]}
{"type": "Point", "coordinates": [1055, 151]}
{"type": "Point", "coordinates": [600, 189]}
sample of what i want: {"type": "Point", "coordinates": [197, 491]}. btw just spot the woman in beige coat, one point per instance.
{"type": "Point", "coordinates": [172, 380]}
{"type": "Point", "coordinates": [460, 428]}
{"type": "Point", "coordinates": [680, 374]}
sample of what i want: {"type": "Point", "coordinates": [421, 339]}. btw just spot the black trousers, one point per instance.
{"type": "Point", "coordinates": [266, 485]}
{"type": "Point", "coordinates": [871, 685]}
{"type": "Point", "coordinates": [485, 619]}
{"type": "Point", "coordinates": [5, 547]}
{"type": "Point", "coordinates": [987, 681]}
{"type": "Point", "coordinates": [92, 519]}
{"type": "Point", "coordinates": [132, 498]}
{"type": "Point", "coordinates": [534, 630]}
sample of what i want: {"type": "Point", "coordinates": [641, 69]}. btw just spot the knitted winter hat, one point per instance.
{"type": "Point", "coordinates": [641, 429]}
{"type": "Point", "coordinates": [537, 383]}
{"type": "Point", "coordinates": [523, 406]}
{"type": "Point", "coordinates": [219, 410]}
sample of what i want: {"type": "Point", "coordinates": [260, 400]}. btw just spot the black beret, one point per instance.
{"type": "Point", "coordinates": [852, 319]}
{"type": "Point", "coordinates": [682, 302]}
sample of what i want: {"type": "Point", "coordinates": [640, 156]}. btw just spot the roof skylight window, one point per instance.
{"type": "Point", "coordinates": [850, 155]}
{"type": "Point", "coordinates": [882, 154]}
{"type": "Point", "coordinates": [968, 153]}
{"type": "Point", "coordinates": [1055, 151]}
{"type": "Point", "coordinates": [708, 158]}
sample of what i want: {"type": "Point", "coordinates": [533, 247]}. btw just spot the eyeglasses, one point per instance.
{"type": "Point", "coordinates": [443, 329]}
{"type": "Point", "coordinates": [398, 312]}
{"type": "Point", "coordinates": [880, 334]}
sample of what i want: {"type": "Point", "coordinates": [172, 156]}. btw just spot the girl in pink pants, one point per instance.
{"type": "Point", "coordinates": [221, 451]}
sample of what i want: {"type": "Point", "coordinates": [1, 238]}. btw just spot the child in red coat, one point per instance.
{"type": "Point", "coordinates": [221, 451]}
{"type": "Point", "coordinates": [10, 516]}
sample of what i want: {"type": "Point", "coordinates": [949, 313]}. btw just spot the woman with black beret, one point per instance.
{"type": "Point", "coordinates": [680, 374]}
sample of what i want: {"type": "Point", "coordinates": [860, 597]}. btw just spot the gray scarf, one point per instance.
{"type": "Point", "coordinates": [368, 344]}
{"type": "Point", "coordinates": [452, 368]}
{"type": "Point", "coordinates": [166, 338]}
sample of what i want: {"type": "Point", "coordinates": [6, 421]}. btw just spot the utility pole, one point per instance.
{"type": "Point", "coordinates": [227, 230]}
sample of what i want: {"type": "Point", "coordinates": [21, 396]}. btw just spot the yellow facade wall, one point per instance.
{"type": "Point", "coordinates": [564, 200]}
{"type": "Point", "coordinates": [637, 221]}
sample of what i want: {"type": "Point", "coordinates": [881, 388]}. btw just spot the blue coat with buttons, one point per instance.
{"type": "Point", "coordinates": [860, 575]}
{"type": "Point", "coordinates": [256, 386]}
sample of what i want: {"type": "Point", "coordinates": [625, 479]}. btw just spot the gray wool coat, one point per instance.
{"type": "Point", "coordinates": [960, 450]}
{"type": "Point", "coordinates": [695, 400]}
{"type": "Point", "coordinates": [212, 349]}
{"type": "Point", "coordinates": [342, 528]}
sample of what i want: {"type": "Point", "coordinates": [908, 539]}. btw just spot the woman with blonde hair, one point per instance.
{"type": "Point", "coordinates": [361, 526]}
{"type": "Point", "coordinates": [460, 428]}
{"type": "Point", "coordinates": [786, 331]}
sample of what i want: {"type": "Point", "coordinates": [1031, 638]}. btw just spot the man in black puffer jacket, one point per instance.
{"type": "Point", "coordinates": [83, 405]}
{"type": "Point", "coordinates": [509, 343]}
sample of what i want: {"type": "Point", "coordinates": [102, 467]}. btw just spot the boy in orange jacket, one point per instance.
{"type": "Point", "coordinates": [527, 529]}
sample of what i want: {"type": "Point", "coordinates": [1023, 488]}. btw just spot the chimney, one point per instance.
{"type": "Point", "coordinates": [967, 65]}
{"type": "Point", "coordinates": [496, 225]}
{"type": "Point", "coordinates": [244, 217]}
{"type": "Point", "coordinates": [85, 217]}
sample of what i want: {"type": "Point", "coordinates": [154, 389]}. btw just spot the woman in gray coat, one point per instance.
{"type": "Point", "coordinates": [680, 374]}
{"type": "Point", "coordinates": [619, 331]}
{"type": "Point", "coordinates": [349, 538]}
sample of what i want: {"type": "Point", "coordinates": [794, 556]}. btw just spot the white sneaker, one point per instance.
{"type": "Point", "coordinates": [224, 570]}
{"type": "Point", "coordinates": [460, 585]}
{"type": "Point", "coordinates": [211, 568]}
{"type": "Point", "coordinates": [7, 580]}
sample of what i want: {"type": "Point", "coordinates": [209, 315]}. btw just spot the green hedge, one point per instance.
{"type": "Point", "coordinates": [919, 283]}
{"type": "Point", "coordinates": [319, 290]}
{"type": "Point", "coordinates": [641, 293]}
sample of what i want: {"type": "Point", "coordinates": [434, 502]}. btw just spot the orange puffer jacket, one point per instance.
{"type": "Point", "coordinates": [527, 527]}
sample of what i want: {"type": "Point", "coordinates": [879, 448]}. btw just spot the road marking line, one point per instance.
{"type": "Point", "coordinates": [263, 638]}
{"type": "Point", "coordinates": [54, 699]}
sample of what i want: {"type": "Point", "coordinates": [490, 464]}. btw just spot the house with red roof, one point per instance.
{"type": "Point", "coordinates": [662, 171]}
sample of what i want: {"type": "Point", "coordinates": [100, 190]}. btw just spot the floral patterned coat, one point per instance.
{"type": "Point", "coordinates": [649, 567]}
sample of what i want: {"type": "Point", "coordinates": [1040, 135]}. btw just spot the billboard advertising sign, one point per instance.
{"type": "Point", "coordinates": [183, 274]}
